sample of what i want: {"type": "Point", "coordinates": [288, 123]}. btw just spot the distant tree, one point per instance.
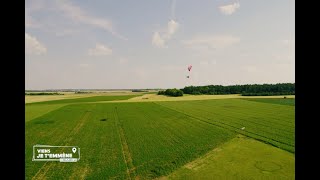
{"type": "Point", "coordinates": [171, 92]}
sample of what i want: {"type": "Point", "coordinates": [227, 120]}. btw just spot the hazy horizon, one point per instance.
{"type": "Point", "coordinates": [149, 44]}
{"type": "Point", "coordinates": [114, 89]}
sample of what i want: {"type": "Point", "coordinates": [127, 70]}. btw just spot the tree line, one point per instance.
{"type": "Point", "coordinates": [171, 92]}
{"type": "Point", "coordinates": [244, 90]}
{"type": "Point", "coordinates": [82, 92]}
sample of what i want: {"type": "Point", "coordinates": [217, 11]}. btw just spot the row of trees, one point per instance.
{"type": "Point", "coordinates": [245, 90]}
{"type": "Point", "coordinates": [139, 90]}
{"type": "Point", "coordinates": [171, 92]}
{"type": "Point", "coordinates": [82, 92]}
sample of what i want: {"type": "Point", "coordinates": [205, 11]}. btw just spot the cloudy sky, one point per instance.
{"type": "Point", "coordinates": [116, 44]}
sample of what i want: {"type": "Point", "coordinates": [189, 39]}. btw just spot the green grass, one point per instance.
{"type": "Point", "coordinates": [86, 99]}
{"type": "Point", "coordinates": [287, 101]}
{"type": "Point", "coordinates": [240, 158]}
{"type": "Point", "coordinates": [80, 125]}
{"type": "Point", "coordinates": [271, 123]}
{"type": "Point", "coordinates": [146, 139]}
{"type": "Point", "coordinates": [33, 111]}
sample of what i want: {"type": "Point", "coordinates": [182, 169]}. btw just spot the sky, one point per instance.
{"type": "Point", "coordinates": [125, 44]}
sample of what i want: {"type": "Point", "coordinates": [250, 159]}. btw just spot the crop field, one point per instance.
{"type": "Point", "coordinates": [187, 97]}
{"type": "Point", "coordinates": [33, 111]}
{"type": "Point", "coordinates": [236, 160]}
{"type": "Point", "coordinates": [87, 99]}
{"type": "Point", "coordinates": [137, 139]}
{"type": "Point", "coordinates": [288, 101]}
{"type": "Point", "coordinates": [72, 95]}
{"type": "Point", "coordinates": [146, 140]}
{"type": "Point", "coordinates": [271, 123]}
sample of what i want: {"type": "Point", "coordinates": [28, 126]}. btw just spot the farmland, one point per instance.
{"type": "Point", "coordinates": [72, 95]}
{"type": "Point", "coordinates": [290, 102]}
{"type": "Point", "coordinates": [86, 99]}
{"type": "Point", "coordinates": [236, 160]}
{"type": "Point", "coordinates": [154, 138]}
{"type": "Point", "coordinates": [271, 123]}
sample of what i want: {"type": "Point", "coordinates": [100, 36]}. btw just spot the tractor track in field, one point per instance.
{"type": "Point", "coordinates": [232, 128]}
{"type": "Point", "coordinates": [125, 148]}
{"type": "Point", "coordinates": [45, 167]}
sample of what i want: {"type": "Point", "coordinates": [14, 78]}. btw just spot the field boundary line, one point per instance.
{"type": "Point", "coordinates": [125, 148]}
{"type": "Point", "coordinates": [46, 113]}
{"type": "Point", "coordinates": [234, 129]}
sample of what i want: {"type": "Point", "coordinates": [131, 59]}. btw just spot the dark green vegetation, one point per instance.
{"type": "Point", "coordinates": [86, 99]}
{"type": "Point", "coordinates": [146, 139]}
{"type": "Point", "coordinates": [283, 101]}
{"type": "Point", "coordinates": [83, 92]}
{"type": "Point", "coordinates": [240, 158]}
{"type": "Point", "coordinates": [42, 93]}
{"type": "Point", "coordinates": [139, 90]}
{"type": "Point", "coordinates": [245, 90]}
{"type": "Point", "coordinates": [171, 92]}
{"type": "Point", "coordinates": [271, 123]}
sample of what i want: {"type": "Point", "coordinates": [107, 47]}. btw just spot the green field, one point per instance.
{"type": "Point", "coordinates": [271, 123]}
{"type": "Point", "coordinates": [236, 160]}
{"type": "Point", "coordinates": [288, 101]}
{"type": "Point", "coordinates": [146, 140]}
{"type": "Point", "coordinates": [33, 111]}
{"type": "Point", "coordinates": [86, 99]}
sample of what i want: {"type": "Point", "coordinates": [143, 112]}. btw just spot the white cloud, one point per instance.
{"type": "Point", "coordinates": [33, 46]}
{"type": "Point", "coordinates": [209, 42]}
{"type": "Point", "coordinates": [229, 9]}
{"type": "Point", "coordinates": [160, 39]}
{"type": "Point", "coordinates": [69, 11]}
{"type": "Point", "coordinates": [80, 16]}
{"type": "Point", "coordinates": [172, 27]}
{"type": "Point", "coordinates": [100, 50]}
{"type": "Point", "coordinates": [157, 40]}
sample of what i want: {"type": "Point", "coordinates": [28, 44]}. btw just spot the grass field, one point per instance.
{"type": "Point", "coordinates": [271, 123]}
{"type": "Point", "coordinates": [288, 101]}
{"type": "Point", "coordinates": [187, 97]}
{"type": "Point", "coordinates": [87, 99]}
{"type": "Point", "coordinates": [236, 160]}
{"type": "Point", "coordinates": [146, 140]}
{"type": "Point", "coordinates": [72, 95]}
{"type": "Point", "coordinates": [136, 140]}
{"type": "Point", "coordinates": [33, 111]}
